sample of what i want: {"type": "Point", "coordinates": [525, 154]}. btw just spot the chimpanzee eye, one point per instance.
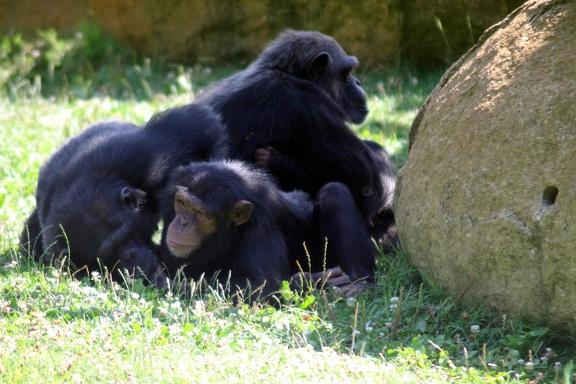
{"type": "Point", "coordinates": [199, 212]}
{"type": "Point", "coordinates": [180, 205]}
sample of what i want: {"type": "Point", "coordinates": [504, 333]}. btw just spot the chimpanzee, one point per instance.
{"type": "Point", "coordinates": [229, 220]}
{"type": "Point", "coordinates": [297, 98]}
{"type": "Point", "coordinates": [382, 227]}
{"type": "Point", "coordinates": [97, 196]}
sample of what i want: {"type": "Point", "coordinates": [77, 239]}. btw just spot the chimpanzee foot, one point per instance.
{"type": "Point", "coordinates": [353, 289]}
{"type": "Point", "coordinates": [333, 277]}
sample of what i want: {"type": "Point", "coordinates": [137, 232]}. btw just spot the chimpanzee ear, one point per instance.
{"type": "Point", "coordinates": [241, 212]}
{"type": "Point", "coordinates": [318, 66]}
{"type": "Point", "coordinates": [130, 196]}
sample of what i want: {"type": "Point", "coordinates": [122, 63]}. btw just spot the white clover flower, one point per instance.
{"type": "Point", "coordinates": [74, 285]}
{"type": "Point", "coordinates": [95, 276]}
{"type": "Point", "coordinates": [10, 265]}
{"type": "Point", "coordinates": [175, 329]}
{"type": "Point", "coordinates": [54, 273]}
{"type": "Point", "coordinates": [351, 302]}
{"type": "Point", "coordinates": [394, 299]}
{"type": "Point", "coordinates": [199, 306]}
{"type": "Point", "coordinates": [475, 328]}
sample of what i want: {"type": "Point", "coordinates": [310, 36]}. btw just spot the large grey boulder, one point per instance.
{"type": "Point", "coordinates": [487, 200]}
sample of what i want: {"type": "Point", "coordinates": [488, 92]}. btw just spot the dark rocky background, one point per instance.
{"type": "Point", "coordinates": [423, 33]}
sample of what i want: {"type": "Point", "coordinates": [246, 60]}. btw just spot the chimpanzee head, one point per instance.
{"type": "Point", "coordinates": [204, 215]}
{"type": "Point", "coordinates": [319, 58]}
{"type": "Point", "coordinates": [103, 224]}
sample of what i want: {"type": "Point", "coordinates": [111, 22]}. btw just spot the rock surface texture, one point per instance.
{"type": "Point", "coordinates": [427, 33]}
{"type": "Point", "coordinates": [487, 200]}
{"type": "Point", "coordinates": [192, 31]}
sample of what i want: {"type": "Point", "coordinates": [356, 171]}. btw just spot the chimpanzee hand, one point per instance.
{"type": "Point", "coordinates": [159, 278]}
{"type": "Point", "coordinates": [333, 277]}
{"type": "Point", "coordinates": [263, 156]}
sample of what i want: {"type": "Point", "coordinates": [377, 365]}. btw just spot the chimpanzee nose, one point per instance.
{"type": "Point", "coordinates": [184, 222]}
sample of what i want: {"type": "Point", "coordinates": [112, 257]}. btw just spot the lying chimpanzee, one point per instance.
{"type": "Point", "coordinates": [229, 220]}
{"type": "Point", "coordinates": [97, 196]}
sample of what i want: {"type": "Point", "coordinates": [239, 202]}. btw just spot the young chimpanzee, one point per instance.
{"type": "Point", "coordinates": [97, 196]}
{"type": "Point", "coordinates": [229, 220]}
{"type": "Point", "coordinates": [291, 107]}
{"type": "Point", "coordinates": [382, 226]}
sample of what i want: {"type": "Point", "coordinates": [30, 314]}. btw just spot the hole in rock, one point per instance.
{"type": "Point", "coordinates": [549, 195]}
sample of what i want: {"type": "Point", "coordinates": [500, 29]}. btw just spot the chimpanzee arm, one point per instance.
{"type": "Point", "coordinates": [261, 263]}
{"type": "Point", "coordinates": [289, 174]}
{"type": "Point", "coordinates": [30, 239]}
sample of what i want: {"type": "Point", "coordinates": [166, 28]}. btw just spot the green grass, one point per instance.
{"type": "Point", "coordinates": [59, 329]}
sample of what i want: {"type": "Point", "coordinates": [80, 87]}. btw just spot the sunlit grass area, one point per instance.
{"type": "Point", "coordinates": [56, 328]}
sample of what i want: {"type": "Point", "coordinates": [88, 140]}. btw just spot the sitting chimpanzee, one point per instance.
{"type": "Point", "coordinates": [297, 98]}
{"type": "Point", "coordinates": [228, 220]}
{"type": "Point", "coordinates": [97, 196]}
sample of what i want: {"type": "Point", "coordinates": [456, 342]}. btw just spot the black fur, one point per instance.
{"type": "Point", "coordinates": [97, 196]}
{"type": "Point", "coordinates": [268, 247]}
{"type": "Point", "coordinates": [297, 98]}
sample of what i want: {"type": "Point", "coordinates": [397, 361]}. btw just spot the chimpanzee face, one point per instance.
{"type": "Point", "coordinates": [195, 220]}
{"type": "Point", "coordinates": [333, 72]}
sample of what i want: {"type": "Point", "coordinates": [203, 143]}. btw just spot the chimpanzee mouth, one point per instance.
{"type": "Point", "coordinates": [180, 250]}
{"type": "Point", "coordinates": [359, 114]}
{"type": "Point", "coordinates": [363, 111]}
{"type": "Point", "coordinates": [174, 245]}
